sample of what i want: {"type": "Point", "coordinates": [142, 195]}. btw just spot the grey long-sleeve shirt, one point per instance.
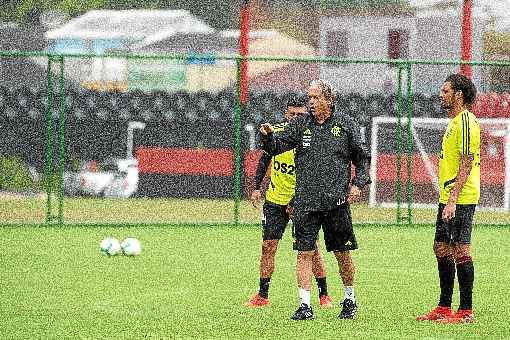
{"type": "Point", "coordinates": [324, 153]}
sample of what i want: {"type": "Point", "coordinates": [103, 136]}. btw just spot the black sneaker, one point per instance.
{"type": "Point", "coordinates": [304, 312]}
{"type": "Point", "coordinates": [349, 309]}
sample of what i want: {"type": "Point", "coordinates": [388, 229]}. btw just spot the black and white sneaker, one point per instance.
{"type": "Point", "coordinates": [304, 312]}
{"type": "Point", "coordinates": [349, 309]}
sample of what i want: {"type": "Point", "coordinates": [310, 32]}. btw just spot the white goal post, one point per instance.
{"type": "Point", "coordinates": [426, 135]}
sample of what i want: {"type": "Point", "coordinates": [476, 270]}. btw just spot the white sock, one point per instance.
{"type": "Point", "coordinates": [304, 296]}
{"type": "Point", "coordinates": [349, 293]}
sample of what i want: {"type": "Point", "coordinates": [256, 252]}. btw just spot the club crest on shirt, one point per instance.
{"type": "Point", "coordinates": [336, 131]}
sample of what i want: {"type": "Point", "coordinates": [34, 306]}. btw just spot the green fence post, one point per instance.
{"type": "Point", "coordinates": [61, 125]}
{"type": "Point", "coordinates": [49, 140]}
{"type": "Point", "coordinates": [237, 144]}
{"type": "Point", "coordinates": [399, 142]}
{"type": "Point", "coordinates": [410, 144]}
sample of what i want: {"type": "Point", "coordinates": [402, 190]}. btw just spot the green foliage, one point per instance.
{"type": "Point", "coordinates": [218, 13]}
{"type": "Point", "coordinates": [14, 175]}
{"type": "Point", "coordinates": [73, 7]}
{"type": "Point", "coordinates": [42, 184]}
{"type": "Point", "coordinates": [8, 10]}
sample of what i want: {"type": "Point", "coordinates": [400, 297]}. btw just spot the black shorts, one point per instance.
{"type": "Point", "coordinates": [274, 221]}
{"type": "Point", "coordinates": [458, 230]}
{"type": "Point", "coordinates": [336, 225]}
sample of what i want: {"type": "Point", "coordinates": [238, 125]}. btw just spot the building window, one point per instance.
{"type": "Point", "coordinates": [337, 44]}
{"type": "Point", "coordinates": [398, 44]}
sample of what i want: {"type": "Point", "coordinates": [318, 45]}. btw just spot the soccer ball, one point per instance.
{"type": "Point", "coordinates": [131, 246]}
{"type": "Point", "coordinates": [109, 246]}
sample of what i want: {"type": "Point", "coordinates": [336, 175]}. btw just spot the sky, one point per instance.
{"type": "Point", "coordinates": [499, 9]}
{"type": "Point", "coordinates": [491, 3]}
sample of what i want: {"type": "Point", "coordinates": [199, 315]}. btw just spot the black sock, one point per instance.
{"type": "Point", "coordinates": [466, 276]}
{"type": "Point", "coordinates": [264, 287]}
{"type": "Point", "coordinates": [446, 269]}
{"type": "Point", "coordinates": [322, 286]}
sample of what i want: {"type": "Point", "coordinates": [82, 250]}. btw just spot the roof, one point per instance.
{"type": "Point", "coordinates": [130, 24]}
{"type": "Point", "coordinates": [226, 41]}
{"type": "Point", "coordinates": [448, 12]}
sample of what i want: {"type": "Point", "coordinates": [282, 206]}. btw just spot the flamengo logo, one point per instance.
{"type": "Point", "coordinates": [336, 130]}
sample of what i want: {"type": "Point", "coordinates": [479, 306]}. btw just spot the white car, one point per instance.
{"type": "Point", "coordinates": [114, 178]}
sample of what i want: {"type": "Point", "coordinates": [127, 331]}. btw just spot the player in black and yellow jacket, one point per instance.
{"type": "Point", "coordinates": [277, 211]}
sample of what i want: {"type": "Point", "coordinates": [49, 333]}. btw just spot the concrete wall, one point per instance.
{"type": "Point", "coordinates": [367, 39]}
{"type": "Point", "coordinates": [434, 37]}
{"type": "Point", "coordinates": [440, 39]}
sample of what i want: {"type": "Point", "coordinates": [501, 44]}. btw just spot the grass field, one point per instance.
{"type": "Point", "coordinates": [190, 282]}
{"type": "Point", "coordinates": [189, 211]}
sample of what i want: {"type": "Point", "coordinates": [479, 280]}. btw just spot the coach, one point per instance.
{"type": "Point", "coordinates": [326, 144]}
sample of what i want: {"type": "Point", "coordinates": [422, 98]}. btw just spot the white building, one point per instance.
{"type": "Point", "coordinates": [157, 32]}
{"type": "Point", "coordinates": [431, 35]}
{"type": "Point", "coordinates": [100, 31]}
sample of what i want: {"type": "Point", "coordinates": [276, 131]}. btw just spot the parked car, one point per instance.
{"type": "Point", "coordinates": [113, 178]}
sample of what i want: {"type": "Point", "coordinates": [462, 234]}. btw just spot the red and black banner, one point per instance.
{"type": "Point", "coordinates": [184, 172]}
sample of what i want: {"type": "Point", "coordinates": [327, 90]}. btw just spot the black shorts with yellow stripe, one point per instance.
{"type": "Point", "coordinates": [274, 220]}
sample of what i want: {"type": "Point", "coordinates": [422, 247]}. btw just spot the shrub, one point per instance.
{"type": "Point", "coordinates": [15, 175]}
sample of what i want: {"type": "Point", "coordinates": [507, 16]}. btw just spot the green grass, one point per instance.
{"type": "Point", "coordinates": [190, 282]}
{"type": "Point", "coordinates": [189, 211]}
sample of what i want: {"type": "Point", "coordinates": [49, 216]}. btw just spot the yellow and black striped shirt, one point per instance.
{"type": "Point", "coordinates": [462, 137]}
{"type": "Point", "coordinates": [283, 174]}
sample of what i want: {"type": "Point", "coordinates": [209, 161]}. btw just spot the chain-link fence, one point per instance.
{"type": "Point", "coordinates": [125, 139]}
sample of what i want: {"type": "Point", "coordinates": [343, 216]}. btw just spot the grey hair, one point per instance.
{"type": "Point", "coordinates": [327, 90]}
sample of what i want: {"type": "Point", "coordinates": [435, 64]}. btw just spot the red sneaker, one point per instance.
{"type": "Point", "coordinates": [325, 301]}
{"type": "Point", "coordinates": [437, 313]}
{"type": "Point", "coordinates": [257, 301]}
{"type": "Point", "coordinates": [460, 316]}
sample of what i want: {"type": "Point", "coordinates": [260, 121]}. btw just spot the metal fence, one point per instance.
{"type": "Point", "coordinates": [168, 141]}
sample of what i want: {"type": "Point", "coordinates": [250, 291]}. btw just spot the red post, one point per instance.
{"type": "Point", "coordinates": [465, 69]}
{"type": "Point", "coordinates": [243, 48]}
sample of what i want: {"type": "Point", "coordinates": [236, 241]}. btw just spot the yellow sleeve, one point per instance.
{"type": "Point", "coordinates": [474, 137]}
{"type": "Point", "coordinates": [468, 135]}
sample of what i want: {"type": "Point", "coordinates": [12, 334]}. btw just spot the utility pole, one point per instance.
{"type": "Point", "coordinates": [243, 50]}
{"type": "Point", "coordinates": [466, 49]}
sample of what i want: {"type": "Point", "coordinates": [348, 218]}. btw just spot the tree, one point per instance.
{"type": "Point", "coordinates": [217, 13]}
{"type": "Point", "coordinates": [220, 14]}
{"type": "Point", "coordinates": [7, 9]}
{"type": "Point", "coordinates": [28, 11]}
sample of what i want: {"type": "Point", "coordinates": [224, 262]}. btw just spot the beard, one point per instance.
{"type": "Point", "coordinates": [446, 106]}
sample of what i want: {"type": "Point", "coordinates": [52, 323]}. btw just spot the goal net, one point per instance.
{"type": "Point", "coordinates": [398, 178]}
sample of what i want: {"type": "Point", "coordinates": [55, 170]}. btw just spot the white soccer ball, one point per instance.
{"type": "Point", "coordinates": [109, 246]}
{"type": "Point", "coordinates": [131, 246]}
